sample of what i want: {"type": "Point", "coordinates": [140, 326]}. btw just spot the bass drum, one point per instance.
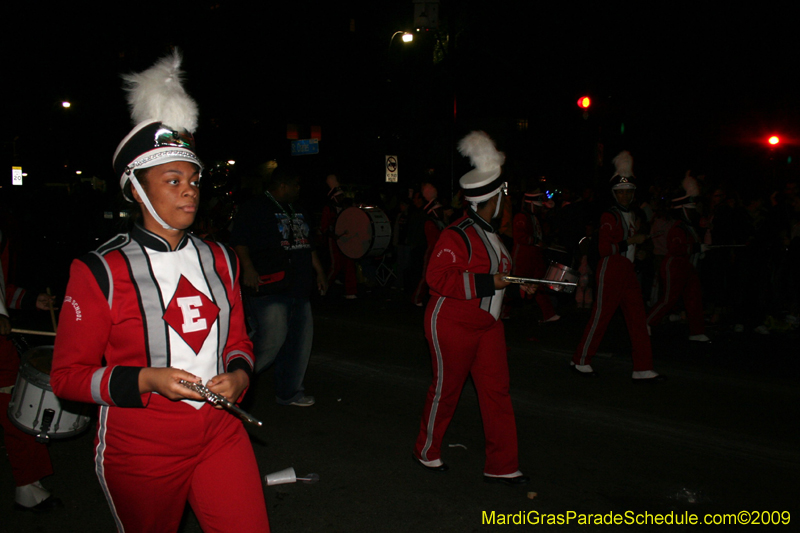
{"type": "Point", "coordinates": [363, 231]}
{"type": "Point", "coordinates": [35, 409]}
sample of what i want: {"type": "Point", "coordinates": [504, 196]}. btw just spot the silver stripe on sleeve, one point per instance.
{"type": "Point", "coordinates": [467, 290]}
{"type": "Point", "coordinates": [438, 394]}
{"type": "Point", "coordinates": [97, 379]}
{"type": "Point", "coordinates": [249, 358]}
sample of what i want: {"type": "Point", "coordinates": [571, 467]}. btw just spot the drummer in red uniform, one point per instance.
{"type": "Point", "coordinates": [29, 459]}
{"type": "Point", "coordinates": [529, 260]}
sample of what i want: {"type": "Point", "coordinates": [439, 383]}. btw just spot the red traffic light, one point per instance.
{"type": "Point", "coordinates": [584, 102]}
{"type": "Point", "coordinates": [774, 140]}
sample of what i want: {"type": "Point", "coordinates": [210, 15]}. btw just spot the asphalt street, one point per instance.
{"type": "Point", "coordinates": [720, 436]}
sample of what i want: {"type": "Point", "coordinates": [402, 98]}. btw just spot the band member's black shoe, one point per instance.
{"type": "Point", "coordinates": [513, 481]}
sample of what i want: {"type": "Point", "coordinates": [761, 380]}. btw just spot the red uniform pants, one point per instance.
{"type": "Point", "coordinates": [457, 351]}
{"type": "Point", "coordinates": [151, 461]}
{"type": "Point", "coordinates": [680, 280]}
{"type": "Point", "coordinates": [617, 287]}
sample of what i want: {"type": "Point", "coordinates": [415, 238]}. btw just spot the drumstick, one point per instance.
{"type": "Point", "coordinates": [32, 332]}
{"type": "Point", "coordinates": [52, 312]}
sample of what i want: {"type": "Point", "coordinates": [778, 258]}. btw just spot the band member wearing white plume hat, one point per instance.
{"type": "Point", "coordinates": [151, 308]}
{"type": "Point", "coordinates": [466, 279]}
{"type": "Point", "coordinates": [617, 285]}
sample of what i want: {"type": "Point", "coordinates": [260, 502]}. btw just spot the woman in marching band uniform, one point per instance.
{"type": "Point", "coordinates": [151, 308]}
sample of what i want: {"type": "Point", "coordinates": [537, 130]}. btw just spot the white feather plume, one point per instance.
{"type": "Point", "coordinates": [623, 162]}
{"type": "Point", "coordinates": [481, 150]}
{"type": "Point", "coordinates": [690, 185]}
{"type": "Point", "coordinates": [157, 94]}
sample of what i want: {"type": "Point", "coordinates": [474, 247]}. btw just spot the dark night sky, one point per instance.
{"type": "Point", "coordinates": [696, 87]}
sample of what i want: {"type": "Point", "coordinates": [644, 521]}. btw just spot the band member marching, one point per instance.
{"type": "Point", "coordinates": [617, 285]}
{"type": "Point", "coordinates": [529, 260]}
{"type": "Point", "coordinates": [678, 274]}
{"type": "Point", "coordinates": [466, 278]}
{"type": "Point", "coordinates": [151, 308]}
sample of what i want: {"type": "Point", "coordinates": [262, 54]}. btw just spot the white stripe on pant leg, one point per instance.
{"type": "Point", "coordinates": [666, 292]}
{"type": "Point", "coordinates": [438, 395]}
{"type": "Point", "coordinates": [100, 464]}
{"type": "Point", "coordinates": [598, 309]}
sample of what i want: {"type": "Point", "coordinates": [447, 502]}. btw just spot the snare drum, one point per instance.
{"type": "Point", "coordinates": [35, 409]}
{"type": "Point", "coordinates": [363, 231]}
{"type": "Point", "coordinates": [559, 272]}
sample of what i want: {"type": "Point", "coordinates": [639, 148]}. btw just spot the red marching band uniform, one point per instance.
{"type": "Point", "coordinates": [466, 337]}
{"type": "Point", "coordinates": [462, 326]}
{"type": "Point", "coordinates": [617, 286]}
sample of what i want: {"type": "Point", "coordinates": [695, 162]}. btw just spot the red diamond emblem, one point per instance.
{"type": "Point", "coordinates": [190, 313]}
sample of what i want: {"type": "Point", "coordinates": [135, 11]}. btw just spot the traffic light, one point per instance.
{"type": "Point", "coordinates": [774, 140]}
{"type": "Point", "coordinates": [584, 102]}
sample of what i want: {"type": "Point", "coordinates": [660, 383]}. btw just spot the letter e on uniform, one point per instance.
{"type": "Point", "coordinates": [190, 307]}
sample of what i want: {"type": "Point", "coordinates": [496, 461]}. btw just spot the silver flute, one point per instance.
{"type": "Point", "coordinates": [217, 399]}
{"type": "Point", "coordinates": [515, 279]}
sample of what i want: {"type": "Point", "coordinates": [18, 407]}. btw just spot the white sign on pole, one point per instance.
{"type": "Point", "coordinates": [391, 169]}
{"type": "Point", "coordinates": [16, 175]}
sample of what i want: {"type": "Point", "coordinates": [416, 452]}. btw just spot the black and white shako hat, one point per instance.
{"type": "Point", "coordinates": [484, 181]}
{"type": "Point", "coordinates": [165, 117]}
{"type": "Point", "coordinates": [622, 178]}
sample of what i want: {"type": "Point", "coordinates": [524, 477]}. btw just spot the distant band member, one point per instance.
{"type": "Point", "coordinates": [529, 260]}
{"type": "Point", "coordinates": [678, 275]}
{"type": "Point", "coordinates": [617, 285]}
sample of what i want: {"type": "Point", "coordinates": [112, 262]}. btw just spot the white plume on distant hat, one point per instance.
{"type": "Point", "coordinates": [623, 163]}
{"type": "Point", "coordinates": [157, 94]}
{"type": "Point", "coordinates": [478, 183]}
{"type": "Point", "coordinates": [690, 185]}
{"type": "Point", "coordinates": [692, 189]}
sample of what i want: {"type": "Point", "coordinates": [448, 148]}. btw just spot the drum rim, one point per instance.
{"type": "Point", "coordinates": [372, 224]}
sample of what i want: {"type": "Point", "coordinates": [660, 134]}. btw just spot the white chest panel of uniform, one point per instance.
{"type": "Point", "coordinates": [628, 216]}
{"type": "Point", "coordinates": [504, 265]}
{"type": "Point", "coordinates": [190, 312]}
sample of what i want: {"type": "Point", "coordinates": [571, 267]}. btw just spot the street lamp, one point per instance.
{"type": "Point", "coordinates": [407, 36]}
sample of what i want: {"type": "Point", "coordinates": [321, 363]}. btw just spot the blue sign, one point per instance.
{"type": "Point", "coordinates": [305, 147]}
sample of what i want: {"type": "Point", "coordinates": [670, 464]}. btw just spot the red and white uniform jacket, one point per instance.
{"type": "Point", "coordinates": [461, 272]}
{"type": "Point", "coordinates": [615, 228]}
{"type": "Point", "coordinates": [135, 303]}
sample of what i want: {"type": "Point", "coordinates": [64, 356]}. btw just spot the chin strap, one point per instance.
{"type": "Point", "coordinates": [146, 202]}
{"type": "Point", "coordinates": [499, 202]}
